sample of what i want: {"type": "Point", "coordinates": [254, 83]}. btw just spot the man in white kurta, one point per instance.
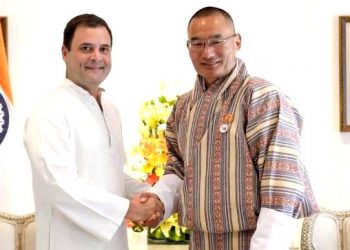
{"type": "Point", "coordinates": [77, 156]}
{"type": "Point", "coordinates": [74, 142]}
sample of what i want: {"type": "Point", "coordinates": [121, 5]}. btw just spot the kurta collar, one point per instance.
{"type": "Point", "coordinates": [79, 90]}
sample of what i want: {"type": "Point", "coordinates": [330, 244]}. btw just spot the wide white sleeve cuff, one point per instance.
{"type": "Point", "coordinates": [275, 231]}
{"type": "Point", "coordinates": [167, 190]}
{"type": "Point", "coordinates": [134, 187]}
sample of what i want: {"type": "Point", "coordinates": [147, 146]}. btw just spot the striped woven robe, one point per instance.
{"type": "Point", "coordinates": [236, 147]}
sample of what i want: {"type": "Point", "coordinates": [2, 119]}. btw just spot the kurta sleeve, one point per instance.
{"type": "Point", "coordinates": [58, 182]}
{"type": "Point", "coordinates": [273, 135]}
{"type": "Point", "coordinates": [134, 187]}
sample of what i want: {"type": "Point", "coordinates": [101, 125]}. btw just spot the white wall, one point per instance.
{"type": "Point", "coordinates": [294, 44]}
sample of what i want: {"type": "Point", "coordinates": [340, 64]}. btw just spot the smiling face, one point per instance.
{"type": "Point", "coordinates": [88, 61]}
{"type": "Point", "coordinates": [213, 62]}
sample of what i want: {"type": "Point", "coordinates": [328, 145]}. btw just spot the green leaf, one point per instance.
{"type": "Point", "coordinates": [175, 237]}
{"type": "Point", "coordinates": [162, 99]}
{"type": "Point", "coordinates": [137, 228]}
{"type": "Point", "coordinates": [157, 234]}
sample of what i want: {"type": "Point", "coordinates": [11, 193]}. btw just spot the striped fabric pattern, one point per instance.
{"type": "Point", "coordinates": [236, 145]}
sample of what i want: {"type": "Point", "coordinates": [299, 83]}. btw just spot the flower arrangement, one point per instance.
{"type": "Point", "coordinates": [149, 158]}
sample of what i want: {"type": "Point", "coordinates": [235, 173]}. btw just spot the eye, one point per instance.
{"type": "Point", "coordinates": [216, 42]}
{"type": "Point", "coordinates": [105, 50]}
{"type": "Point", "coordinates": [197, 44]}
{"type": "Point", "coordinates": [86, 48]}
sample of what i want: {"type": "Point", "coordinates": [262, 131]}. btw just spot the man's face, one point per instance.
{"type": "Point", "coordinates": [217, 59]}
{"type": "Point", "coordinates": [88, 62]}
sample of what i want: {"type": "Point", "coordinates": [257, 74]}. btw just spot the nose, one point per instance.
{"type": "Point", "coordinates": [208, 50]}
{"type": "Point", "coordinates": [95, 55]}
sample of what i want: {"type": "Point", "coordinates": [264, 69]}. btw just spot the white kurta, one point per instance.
{"type": "Point", "coordinates": [77, 157]}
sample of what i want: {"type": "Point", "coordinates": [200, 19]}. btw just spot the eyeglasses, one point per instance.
{"type": "Point", "coordinates": [198, 44]}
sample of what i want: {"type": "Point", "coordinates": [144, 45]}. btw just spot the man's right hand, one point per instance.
{"type": "Point", "coordinates": [146, 209]}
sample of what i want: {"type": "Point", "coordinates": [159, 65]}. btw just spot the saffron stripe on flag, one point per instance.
{"type": "Point", "coordinates": [4, 73]}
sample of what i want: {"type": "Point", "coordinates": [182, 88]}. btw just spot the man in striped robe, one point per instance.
{"type": "Point", "coordinates": [234, 149]}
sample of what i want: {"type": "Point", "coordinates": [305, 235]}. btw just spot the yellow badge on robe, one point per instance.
{"type": "Point", "coordinates": [226, 119]}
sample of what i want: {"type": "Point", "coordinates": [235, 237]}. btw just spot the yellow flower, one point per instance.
{"type": "Point", "coordinates": [159, 171]}
{"type": "Point", "coordinates": [151, 155]}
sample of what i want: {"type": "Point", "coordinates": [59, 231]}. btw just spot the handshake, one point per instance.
{"type": "Point", "coordinates": [146, 210]}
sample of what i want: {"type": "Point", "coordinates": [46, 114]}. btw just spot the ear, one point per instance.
{"type": "Point", "coordinates": [64, 51]}
{"type": "Point", "coordinates": [238, 41]}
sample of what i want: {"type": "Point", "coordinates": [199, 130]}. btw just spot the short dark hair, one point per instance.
{"type": "Point", "coordinates": [208, 11]}
{"type": "Point", "coordinates": [86, 20]}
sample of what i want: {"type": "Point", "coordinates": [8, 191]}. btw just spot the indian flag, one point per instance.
{"type": "Point", "coordinates": [15, 175]}
{"type": "Point", "coordinates": [5, 90]}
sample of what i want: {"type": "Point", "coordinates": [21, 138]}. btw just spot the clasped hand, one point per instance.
{"type": "Point", "coordinates": [146, 210]}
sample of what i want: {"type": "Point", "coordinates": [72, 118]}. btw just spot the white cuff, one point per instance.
{"type": "Point", "coordinates": [167, 190]}
{"type": "Point", "coordinates": [274, 231]}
